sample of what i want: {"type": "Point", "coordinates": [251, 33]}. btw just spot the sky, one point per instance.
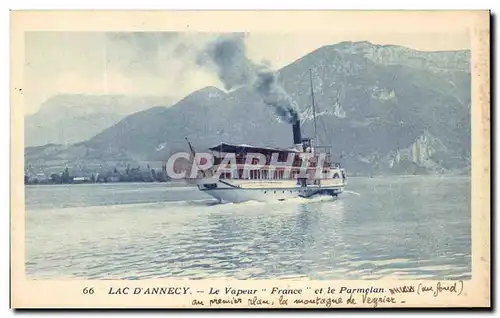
{"type": "Point", "coordinates": [164, 64]}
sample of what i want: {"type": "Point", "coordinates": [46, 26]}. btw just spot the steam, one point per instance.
{"type": "Point", "coordinates": [227, 57]}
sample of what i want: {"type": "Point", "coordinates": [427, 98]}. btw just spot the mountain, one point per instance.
{"type": "Point", "coordinates": [71, 118]}
{"type": "Point", "coordinates": [398, 55]}
{"type": "Point", "coordinates": [376, 105]}
{"type": "Point", "coordinates": [373, 102]}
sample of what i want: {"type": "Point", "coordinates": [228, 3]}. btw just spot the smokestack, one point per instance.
{"type": "Point", "coordinates": [297, 137]}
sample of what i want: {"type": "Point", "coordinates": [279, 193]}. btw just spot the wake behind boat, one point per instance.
{"type": "Point", "coordinates": [240, 172]}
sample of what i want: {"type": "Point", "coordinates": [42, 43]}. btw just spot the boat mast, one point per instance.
{"type": "Point", "coordinates": [314, 108]}
{"type": "Point", "coordinates": [193, 152]}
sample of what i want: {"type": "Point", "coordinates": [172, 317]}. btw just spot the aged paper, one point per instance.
{"type": "Point", "coordinates": [398, 236]}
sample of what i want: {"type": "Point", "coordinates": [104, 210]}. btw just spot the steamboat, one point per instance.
{"type": "Point", "coordinates": [241, 172]}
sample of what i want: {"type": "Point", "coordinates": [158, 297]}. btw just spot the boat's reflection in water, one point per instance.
{"type": "Point", "coordinates": [259, 240]}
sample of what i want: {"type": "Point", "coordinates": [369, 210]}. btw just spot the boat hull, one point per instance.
{"type": "Point", "coordinates": [226, 192]}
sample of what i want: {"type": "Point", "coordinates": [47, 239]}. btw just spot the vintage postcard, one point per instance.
{"type": "Point", "coordinates": [250, 159]}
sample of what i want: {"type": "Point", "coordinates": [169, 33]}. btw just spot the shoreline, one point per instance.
{"type": "Point", "coordinates": [186, 185]}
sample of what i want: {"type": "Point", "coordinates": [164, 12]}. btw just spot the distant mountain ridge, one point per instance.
{"type": "Point", "coordinates": [373, 101]}
{"type": "Point", "coordinates": [435, 61]}
{"type": "Point", "coordinates": [71, 118]}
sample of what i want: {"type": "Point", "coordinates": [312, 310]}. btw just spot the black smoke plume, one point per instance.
{"type": "Point", "coordinates": [226, 55]}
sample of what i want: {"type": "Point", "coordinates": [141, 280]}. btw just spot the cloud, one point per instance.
{"type": "Point", "coordinates": [164, 63]}
{"type": "Point", "coordinates": [113, 63]}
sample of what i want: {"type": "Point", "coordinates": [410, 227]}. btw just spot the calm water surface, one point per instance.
{"type": "Point", "coordinates": [386, 228]}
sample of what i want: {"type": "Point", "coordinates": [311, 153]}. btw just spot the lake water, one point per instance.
{"type": "Point", "coordinates": [386, 228]}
